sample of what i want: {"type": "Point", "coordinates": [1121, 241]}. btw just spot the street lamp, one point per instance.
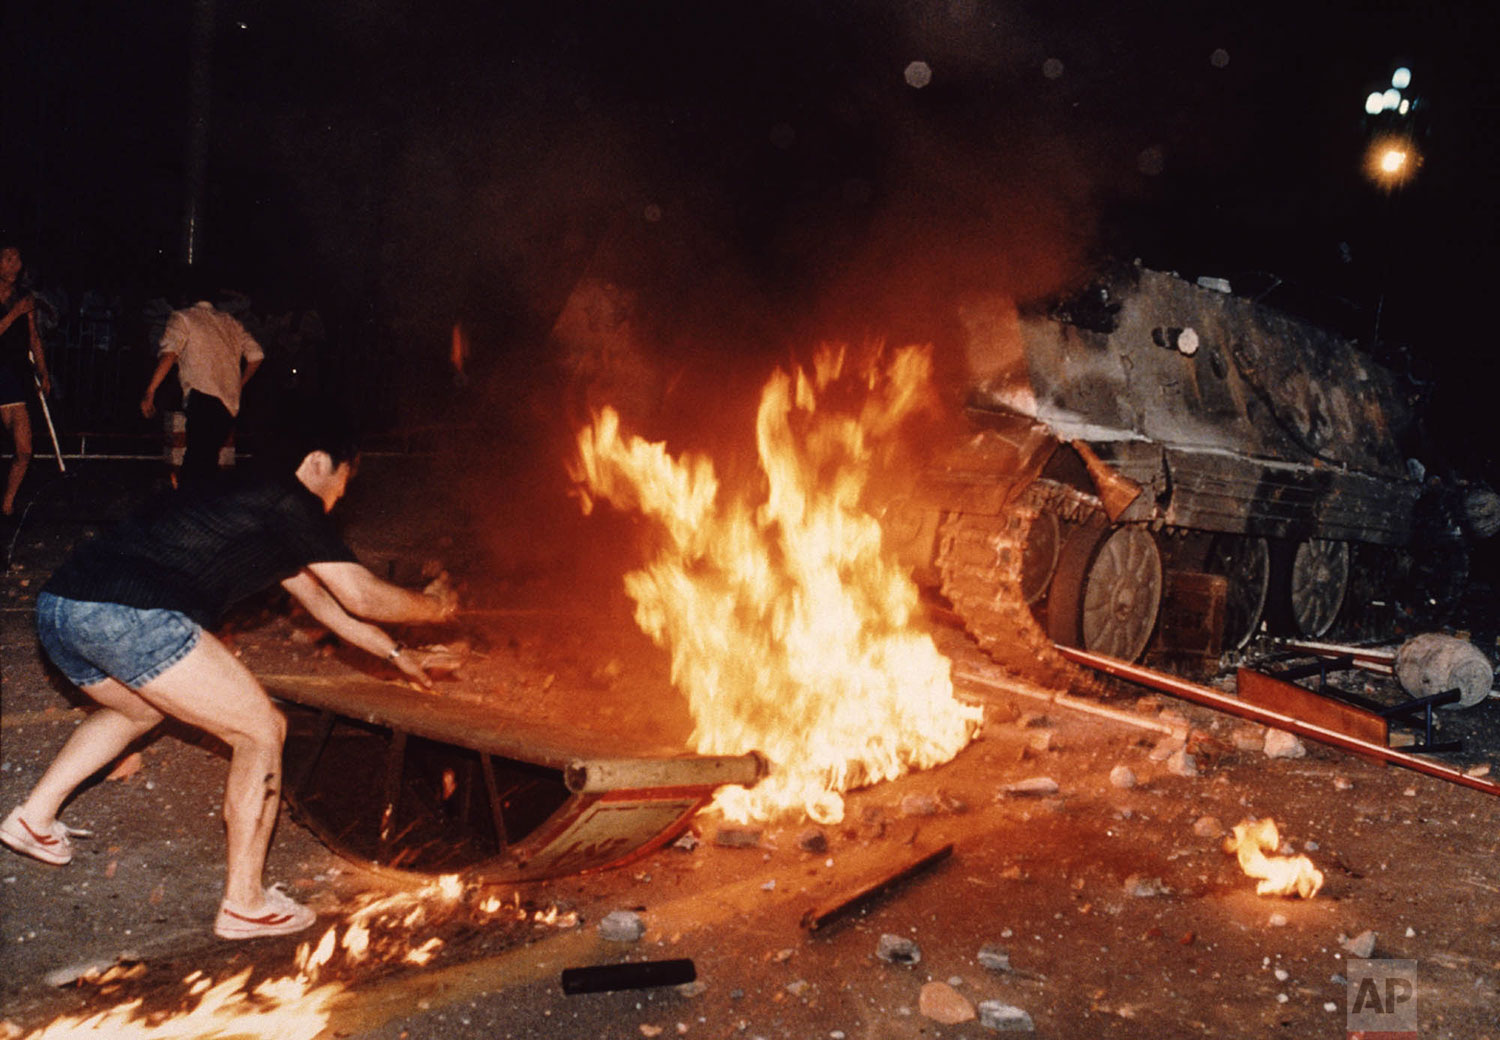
{"type": "Point", "coordinates": [1391, 161]}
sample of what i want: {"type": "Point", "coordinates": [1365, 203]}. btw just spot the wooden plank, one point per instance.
{"type": "Point", "coordinates": [871, 889]}
{"type": "Point", "coordinates": [1291, 699]}
{"type": "Point", "coordinates": [481, 725]}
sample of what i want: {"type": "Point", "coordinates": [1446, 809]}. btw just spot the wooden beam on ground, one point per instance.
{"type": "Point", "coordinates": [862, 895]}
{"type": "Point", "coordinates": [1021, 688]}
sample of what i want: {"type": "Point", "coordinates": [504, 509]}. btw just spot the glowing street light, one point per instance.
{"type": "Point", "coordinates": [1391, 162]}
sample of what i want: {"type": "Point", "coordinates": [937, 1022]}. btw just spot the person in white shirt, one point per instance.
{"type": "Point", "coordinates": [215, 358]}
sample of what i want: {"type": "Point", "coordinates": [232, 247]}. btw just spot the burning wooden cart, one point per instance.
{"type": "Point", "coordinates": [415, 783]}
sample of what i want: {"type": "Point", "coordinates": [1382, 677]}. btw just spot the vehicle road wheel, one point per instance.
{"type": "Point", "coordinates": [1319, 580]}
{"type": "Point", "coordinates": [1106, 600]}
{"type": "Point", "coordinates": [1246, 564]}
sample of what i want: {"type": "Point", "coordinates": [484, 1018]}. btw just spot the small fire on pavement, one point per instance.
{"type": "Point", "coordinates": [385, 930]}
{"type": "Point", "coordinates": [1253, 843]}
{"type": "Point", "coordinates": [791, 632]}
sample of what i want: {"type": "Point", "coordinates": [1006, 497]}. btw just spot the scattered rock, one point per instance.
{"type": "Point", "coordinates": [1040, 740]}
{"type": "Point", "coordinates": [1277, 920]}
{"type": "Point", "coordinates": [1483, 769]}
{"type": "Point", "coordinates": [813, 840]}
{"type": "Point", "coordinates": [737, 837]}
{"type": "Point", "coordinates": [1032, 787]}
{"type": "Point", "coordinates": [1361, 946]}
{"type": "Point", "coordinates": [1281, 744]}
{"type": "Point", "coordinates": [896, 949]}
{"type": "Point", "coordinates": [994, 957]}
{"type": "Point", "coordinates": [1342, 783]}
{"type": "Point", "coordinates": [687, 843]}
{"type": "Point", "coordinates": [1004, 1018]}
{"type": "Point", "coordinates": [1180, 763]}
{"type": "Point", "coordinates": [622, 926]}
{"type": "Point", "coordinates": [1208, 827]}
{"type": "Point", "coordinates": [1142, 887]}
{"type": "Point", "coordinates": [920, 805]}
{"type": "Point", "coordinates": [1248, 738]}
{"type": "Point", "coordinates": [696, 988]}
{"type": "Point", "coordinates": [942, 1003]}
{"type": "Point", "coordinates": [797, 987]}
{"type": "Point", "coordinates": [1122, 777]}
{"type": "Point", "coordinates": [1165, 748]}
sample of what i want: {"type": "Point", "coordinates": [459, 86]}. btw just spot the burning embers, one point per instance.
{"type": "Point", "coordinates": [384, 930]}
{"type": "Point", "coordinates": [1253, 843]}
{"type": "Point", "coordinates": [790, 632]}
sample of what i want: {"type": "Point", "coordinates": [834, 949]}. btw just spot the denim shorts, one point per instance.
{"type": "Point", "coordinates": [90, 642]}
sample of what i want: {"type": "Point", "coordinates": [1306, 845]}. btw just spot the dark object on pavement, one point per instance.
{"type": "Point", "coordinates": [607, 978]}
{"type": "Point", "coordinates": [847, 902]}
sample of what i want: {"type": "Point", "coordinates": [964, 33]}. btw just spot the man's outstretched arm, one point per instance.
{"type": "Point", "coordinates": [327, 609]}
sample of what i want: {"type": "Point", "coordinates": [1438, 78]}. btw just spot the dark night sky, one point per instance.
{"type": "Point", "coordinates": [762, 167]}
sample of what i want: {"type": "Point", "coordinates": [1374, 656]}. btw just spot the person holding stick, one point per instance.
{"type": "Point", "coordinates": [20, 350]}
{"type": "Point", "coordinates": [128, 618]}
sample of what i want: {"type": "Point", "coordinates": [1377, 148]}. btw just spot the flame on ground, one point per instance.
{"type": "Point", "coordinates": [1253, 843]}
{"type": "Point", "coordinates": [298, 1006]}
{"type": "Point", "coordinates": [790, 632]}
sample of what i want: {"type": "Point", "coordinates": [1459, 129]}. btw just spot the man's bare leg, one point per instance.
{"type": "Point", "coordinates": [211, 689]}
{"type": "Point", "coordinates": [98, 741]}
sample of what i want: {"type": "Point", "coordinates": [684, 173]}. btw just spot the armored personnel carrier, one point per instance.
{"type": "Point", "coordinates": [1151, 453]}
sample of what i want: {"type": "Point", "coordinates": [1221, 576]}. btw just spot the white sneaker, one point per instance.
{"type": "Point", "coordinates": [278, 914]}
{"type": "Point", "coordinates": [49, 846]}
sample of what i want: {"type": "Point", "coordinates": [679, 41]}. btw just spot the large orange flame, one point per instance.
{"type": "Point", "coordinates": [790, 632]}
{"type": "Point", "coordinates": [1252, 843]}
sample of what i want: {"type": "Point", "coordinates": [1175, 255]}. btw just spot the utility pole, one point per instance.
{"type": "Point", "coordinates": [200, 81]}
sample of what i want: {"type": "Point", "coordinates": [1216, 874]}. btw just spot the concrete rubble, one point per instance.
{"type": "Point", "coordinates": [1281, 744]}
{"type": "Point", "coordinates": [1004, 1018]}
{"type": "Point", "coordinates": [940, 1002]}
{"type": "Point", "coordinates": [897, 949]}
{"type": "Point", "coordinates": [624, 926]}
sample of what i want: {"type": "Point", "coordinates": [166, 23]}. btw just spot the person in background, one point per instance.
{"type": "Point", "coordinates": [128, 618]}
{"type": "Point", "coordinates": [215, 358]}
{"type": "Point", "coordinates": [20, 350]}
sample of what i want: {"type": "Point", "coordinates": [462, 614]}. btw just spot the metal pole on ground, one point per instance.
{"type": "Point", "coordinates": [47, 414]}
